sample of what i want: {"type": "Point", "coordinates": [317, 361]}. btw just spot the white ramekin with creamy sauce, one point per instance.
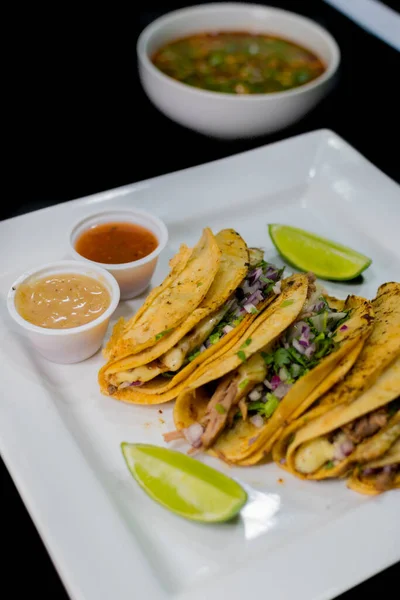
{"type": "Point", "coordinates": [60, 334]}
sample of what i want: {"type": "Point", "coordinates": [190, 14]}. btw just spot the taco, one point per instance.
{"type": "Point", "coordinates": [237, 405]}
{"type": "Point", "coordinates": [379, 475]}
{"type": "Point", "coordinates": [382, 347]}
{"type": "Point", "coordinates": [242, 286]}
{"type": "Point", "coordinates": [331, 444]}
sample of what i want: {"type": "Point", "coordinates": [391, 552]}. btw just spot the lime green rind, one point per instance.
{"type": "Point", "coordinates": [345, 256]}
{"type": "Point", "coordinates": [183, 484]}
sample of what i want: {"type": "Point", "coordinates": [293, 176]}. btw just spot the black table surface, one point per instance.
{"type": "Point", "coordinates": [82, 124]}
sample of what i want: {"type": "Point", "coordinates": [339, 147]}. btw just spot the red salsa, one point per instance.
{"type": "Point", "coordinates": [238, 62]}
{"type": "Point", "coordinates": [116, 243]}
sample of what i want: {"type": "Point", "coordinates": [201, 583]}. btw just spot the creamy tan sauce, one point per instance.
{"type": "Point", "coordinates": [62, 301]}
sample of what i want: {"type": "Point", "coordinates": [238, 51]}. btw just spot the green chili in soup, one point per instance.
{"type": "Point", "coordinates": [238, 63]}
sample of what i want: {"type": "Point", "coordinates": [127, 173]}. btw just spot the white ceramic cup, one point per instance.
{"type": "Point", "coordinates": [74, 344]}
{"type": "Point", "coordinates": [133, 277]}
{"type": "Point", "coordinates": [234, 115]}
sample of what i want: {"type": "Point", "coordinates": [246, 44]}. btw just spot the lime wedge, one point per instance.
{"type": "Point", "coordinates": [309, 252]}
{"type": "Point", "coordinates": [183, 484]}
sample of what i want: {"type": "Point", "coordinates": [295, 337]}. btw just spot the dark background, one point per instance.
{"type": "Point", "coordinates": [80, 123]}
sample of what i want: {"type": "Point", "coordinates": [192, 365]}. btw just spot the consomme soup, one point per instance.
{"type": "Point", "coordinates": [238, 63]}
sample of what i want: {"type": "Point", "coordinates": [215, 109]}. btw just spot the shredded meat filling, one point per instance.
{"type": "Point", "coordinates": [385, 479]}
{"type": "Point", "coordinates": [366, 426]}
{"type": "Point", "coordinates": [217, 413]}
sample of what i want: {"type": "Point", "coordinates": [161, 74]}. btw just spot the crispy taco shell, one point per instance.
{"type": "Point", "coordinates": [169, 305]}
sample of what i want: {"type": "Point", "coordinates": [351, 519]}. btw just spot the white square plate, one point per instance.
{"type": "Point", "coordinates": [60, 438]}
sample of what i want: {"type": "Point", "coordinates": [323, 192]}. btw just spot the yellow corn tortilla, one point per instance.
{"type": "Point", "coordinates": [368, 484]}
{"type": "Point", "coordinates": [310, 427]}
{"type": "Point", "coordinates": [174, 302]}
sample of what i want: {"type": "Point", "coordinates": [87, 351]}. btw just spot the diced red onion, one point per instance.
{"type": "Point", "coordinates": [267, 384]}
{"type": "Point", "coordinates": [136, 383]}
{"type": "Point", "coordinates": [202, 348]}
{"type": "Point", "coordinates": [251, 289]}
{"type": "Point", "coordinates": [207, 343]}
{"type": "Point", "coordinates": [227, 328]}
{"type": "Point", "coordinates": [277, 287]}
{"type": "Point", "coordinates": [193, 434]}
{"type": "Point", "coordinates": [275, 381]}
{"type": "Point", "coordinates": [310, 350]}
{"type": "Point", "coordinates": [296, 330]}
{"type": "Point", "coordinates": [272, 274]}
{"type": "Point", "coordinates": [298, 346]}
{"type": "Point", "coordinates": [303, 343]}
{"type": "Point", "coordinates": [343, 328]}
{"type": "Point", "coordinates": [257, 420]}
{"type": "Point", "coordinates": [282, 389]}
{"type": "Point", "coordinates": [249, 308]}
{"type": "Point", "coordinates": [255, 297]}
{"type": "Point", "coordinates": [255, 395]}
{"type": "Point", "coordinates": [256, 274]}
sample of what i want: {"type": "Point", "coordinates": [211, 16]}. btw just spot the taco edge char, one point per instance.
{"type": "Point", "coordinates": [242, 286]}
{"type": "Point", "coordinates": [299, 350]}
{"type": "Point", "coordinates": [347, 436]}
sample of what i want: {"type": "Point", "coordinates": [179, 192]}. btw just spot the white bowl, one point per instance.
{"type": "Point", "coordinates": [226, 115]}
{"type": "Point", "coordinates": [76, 343]}
{"type": "Point", "coordinates": [133, 277]}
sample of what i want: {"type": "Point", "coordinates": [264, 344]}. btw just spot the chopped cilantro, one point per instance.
{"type": "Point", "coordinates": [254, 311]}
{"type": "Point", "coordinates": [246, 343]}
{"type": "Point", "coordinates": [214, 337]}
{"type": "Point", "coordinates": [168, 374]}
{"type": "Point", "coordinates": [162, 333]}
{"type": "Point", "coordinates": [241, 355]}
{"type": "Point", "coordinates": [266, 280]}
{"type": "Point", "coordinates": [282, 357]}
{"type": "Point", "coordinates": [287, 303]}
{"type": "Point", "coordinates": [219, 408]}
{"type": "Point", "coordinates": [243, 384]}
{"type": "Point", "coordinates": [268, 358]}
{"type": "Point", "coordinates": [329, 464]}
{"type": "Point", "coordinates": [256, 406]}
{"type": "Point", "coordinates": [194, 355]}
{"type": "Point", "coordinates": [265, 409]}
{"type": "Point", "coordinates": [271, 405]}
{"type": "Point", "coordinates": [237, 321]}
{"type": "Point", "coordinates": [199, 283]}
